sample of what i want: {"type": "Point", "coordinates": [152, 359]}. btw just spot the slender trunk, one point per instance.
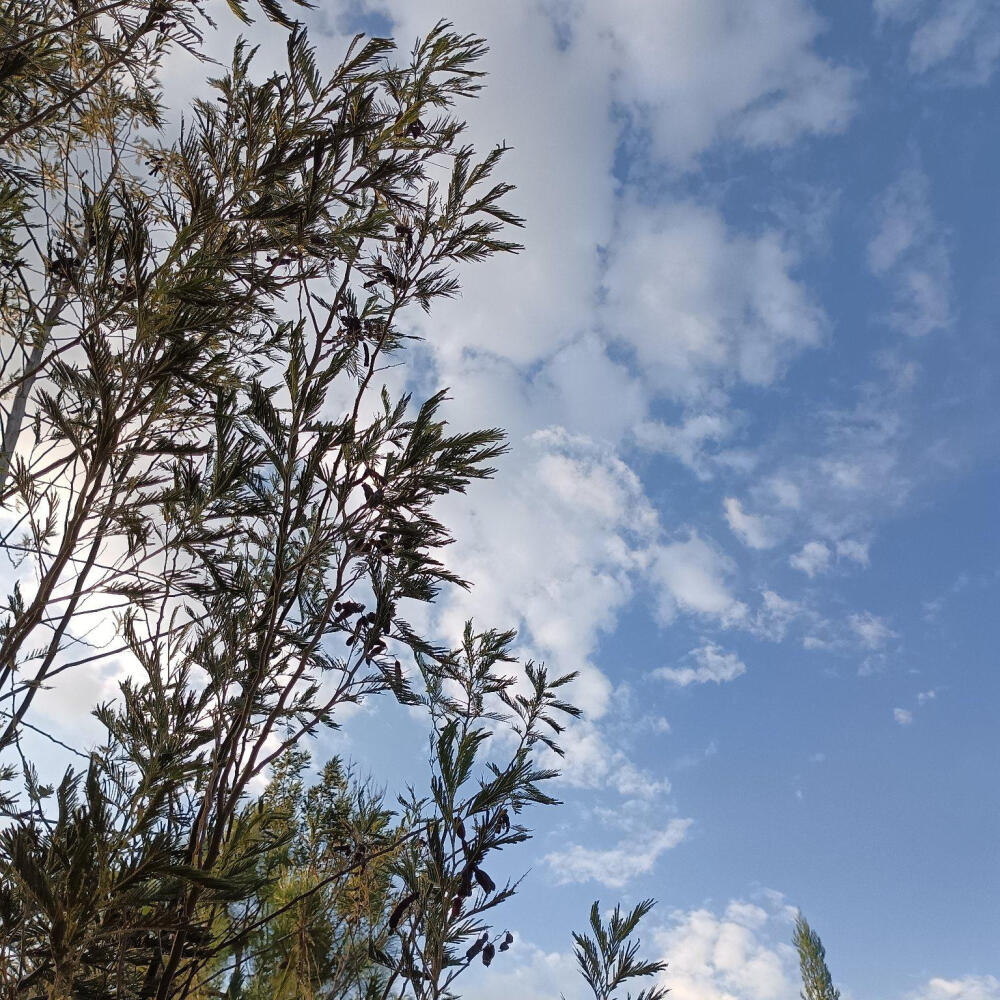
{"type": "Point", "coordinates": [12, 429]}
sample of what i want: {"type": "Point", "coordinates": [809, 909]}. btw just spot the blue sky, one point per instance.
{"type": "Point", "coordinates": [749, 368]}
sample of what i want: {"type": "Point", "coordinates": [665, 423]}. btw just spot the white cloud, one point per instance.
{"type": "Point", "coordinates": [591, 762]}
{"type": "Point", "coordinates": [553, 551]}
{"type": "Point", "coordinates": [870, 630]}
{"type": "Point", "coordinates": [813, 558]}
{"type": "Point", "coordinates": [693, 576]}
{"type": "Point", "coordinates": [738, 954]}
{"type": "Point", "coordinates": [965, 988]}
{"type": "Point", "coordinates": [959, 38]}
{"type": "Point", "coordinates": [857, 467]}
{"type": "Point", "coordinates": [903, 716]}
{"type": "Point", "coordinates": [696, 71]}
{"type": "Point", "coordinates": [689, 440]}
{"type": "Point", "coordinates": [786, 493]}
{"type": "Point", "coordinates": [925, 696]}
{"type": "Point", "coordinates": [712, 664]}
{"type": "Point", "coordinates": [617, 866]}
{"type": "Point", "coordinates": [526, 972]}
{"type": "Point", "coordinates": [856, 551]}
{"type": "Point", "coordinates": [702, 305]}
{"type": "Point", "coordinates": [751, 529]}
{"type": "Point", "coordinates": [774, 615]}
{"type": "Point", "coordinates": [910, 251]}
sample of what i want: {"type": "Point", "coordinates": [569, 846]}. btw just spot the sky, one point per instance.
{"type": "Point", "coordinates": [748, 367]}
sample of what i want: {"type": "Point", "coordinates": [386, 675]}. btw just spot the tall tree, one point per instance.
{"type": "Point", "coordinates": [208, 484]}
{"type": "Point", "coordinates": [817, 983]}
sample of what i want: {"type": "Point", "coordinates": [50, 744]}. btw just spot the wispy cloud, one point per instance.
{"type": "Point", "coordinates": [871, 631]}
{"type": "Point", "coordinates": [910, 250]}
{"type": "Point", "coordinates": [812, 558]}
{"type": "Point", "coordinates": [751, 529]}
{"type": "Point", "coordinates": [712, 664]}
{"type": "Point", "coordinates": [693, 575]}
{"type": "Point", "coordinates": [959, 39]}
{"type": "Point", "coordinates": [616, 866]}
{"type": "Point", "coordinates": [964, 988]}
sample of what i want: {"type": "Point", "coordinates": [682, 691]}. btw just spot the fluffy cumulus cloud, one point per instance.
{"type": "Point", "coordinates": [739, 953]}
{"type": "Point", "coordinates": [710, 663]}
{"type": "Point", "coordinates": [910, 251]}
{"type": "Point", "coordinates": [554, 552]}
{"type": "Point", "coordinates": [703, 305]}
{"type": "Point", "coordinates": [959, 39]}
{"type": "Point", "coordinates": [616, 866]}
{"type": "Point", "coordinates": [765, 85]}
{"type": "Point", "coordinates": [902, 716]}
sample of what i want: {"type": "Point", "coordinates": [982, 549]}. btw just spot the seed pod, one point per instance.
{"type": "Point", "coordinates": [488, 952]}
{"type": "Point", "coordinates": [400, 909]}
{"type": "Point", "coordinates": [485, 882]}
{"type": "Point", "coordinates": [465, 890]}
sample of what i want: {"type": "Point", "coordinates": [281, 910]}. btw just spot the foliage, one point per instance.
{"type": "Point", "coordinates": [210, 484]}
{"type": "Point", "coordinates": [610, 958]}
{"type": "Point", "coordinates": [210, 491]}
{"type": "Point", "coordinates": [817, 983]}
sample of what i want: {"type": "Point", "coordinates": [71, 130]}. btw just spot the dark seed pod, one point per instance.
{"type": "Point", "coordinates": [400, 909]}
{"type": "Point", "coordinates": [477, 947]}
{"type": "Point", "coordinates": [465, 890]}
{"type": "Point", "coordinates": [488, 952]}
{"type": "Point", "coordinates": [485, 882]}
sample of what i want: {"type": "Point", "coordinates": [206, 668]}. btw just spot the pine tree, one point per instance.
{"type": "Point", "coordinates": [816, 981]}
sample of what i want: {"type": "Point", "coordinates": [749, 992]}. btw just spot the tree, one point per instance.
{"type": "Point", "coordinates": [610, 959]}
{"type": "Point", "coordinates": [817, 983]}
{"type": "Point", "coordinates": [208, 483]}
